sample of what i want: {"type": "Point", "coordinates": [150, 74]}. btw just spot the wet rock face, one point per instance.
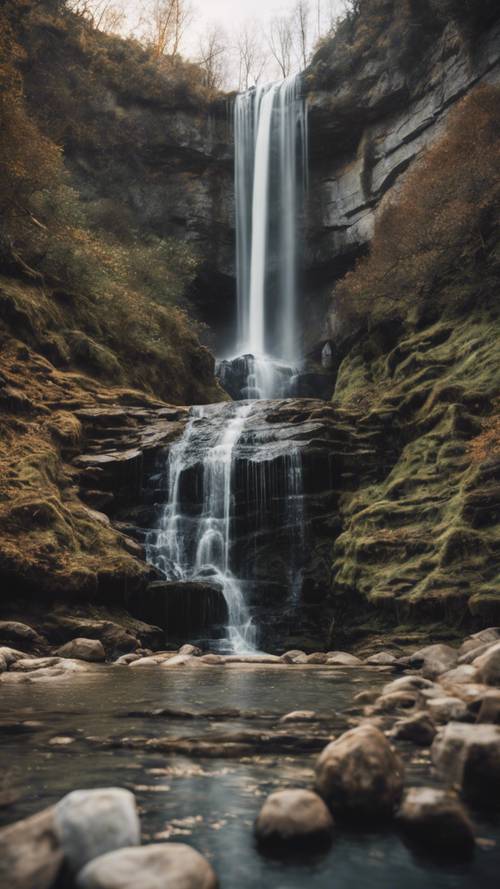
{"type": "Point", "coordinates": [368, 127]}
{"type": "Point", "coordinates": [184, 610]}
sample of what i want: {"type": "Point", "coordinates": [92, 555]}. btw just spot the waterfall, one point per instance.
{"type": "Point", "coordinates": [233, 477]}
{"type": "Point", "coordinates": [189, 546]}
{"type": "Point", "coordinates": [270, 124]}
{"type": "Point", "coordinates": [230, 478]}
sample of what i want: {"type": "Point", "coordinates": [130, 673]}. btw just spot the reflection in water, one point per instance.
{"type": "Point", "coordinates": [211, 803]}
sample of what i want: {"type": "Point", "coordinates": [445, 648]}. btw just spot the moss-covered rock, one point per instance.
{"type": "Point", "coordinates": [423, 542]}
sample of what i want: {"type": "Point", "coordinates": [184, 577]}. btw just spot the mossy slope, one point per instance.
{"type": "Point", "coordinates": [425, 540]}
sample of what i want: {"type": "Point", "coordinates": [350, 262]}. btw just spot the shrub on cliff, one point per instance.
{"type": "Point", "coordinates": [437, 244]}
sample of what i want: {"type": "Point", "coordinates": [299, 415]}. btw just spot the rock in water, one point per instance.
{"type": "Point", "coordinates": [469, 756]}
{"type": "Point", "coordinates": [83, 649]}
{"type": "Point", "coordinates": [90, 823]}
{"type": "Point", "coordinates": [419, 729]}
{"type": "Point", "coordinates": [437, 820]}
{"type": "Point", "coordinates": [294, 818]}
{"type": "Point", "coordinates": [30, 854]}
{"type": "Point", "coordinates": [159, 866]}
{"type": "Point", "coordinates": [360, 774]}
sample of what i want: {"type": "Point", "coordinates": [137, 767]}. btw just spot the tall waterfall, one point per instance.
{"type": "Point", "coordinates": [233, 478]}
{"type": "Point", "coordinates": [270, 124]}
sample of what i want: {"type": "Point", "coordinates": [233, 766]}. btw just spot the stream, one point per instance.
{"type": "Point", "coordinates": [211, 802]}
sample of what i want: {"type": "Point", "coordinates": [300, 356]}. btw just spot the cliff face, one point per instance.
{"type": "Point", "coordinates": [368, 126]}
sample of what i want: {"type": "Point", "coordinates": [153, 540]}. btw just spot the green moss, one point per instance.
{"type": "Point", "coordinates": [426, 538]}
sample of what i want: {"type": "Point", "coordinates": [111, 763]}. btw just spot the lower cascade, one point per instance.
{"type": "Point", "coordinates": [228, 480]}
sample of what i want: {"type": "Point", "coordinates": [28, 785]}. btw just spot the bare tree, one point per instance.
{"type": "Point", "coordinates": [252, 57]}
{"type": "Point", "coordinates": [280, 42]}
{"type": "Point", "coordinates": [104, 15]}
{"type": "Point", "coordinates": [213, 57]}
{"type": "Point", "coordinates": [164, 23]}
{"type": "Point", "coordinates": [301, 31]}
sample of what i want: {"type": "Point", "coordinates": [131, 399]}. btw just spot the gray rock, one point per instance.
{"type": "Point", "coordinates": [437, 820]}
{"type": "Point", "coordinates": [193, 650]}
{"type": "Point", "coordinates": [484, 637]}
{"type": "Point", "coordinates": [408, 683]}
{"type": "Point", "coordinates": [30, 854]}
{"type": "Point", "coordinates": [447, 709]}
{"type": "Point", "coordinates": [419, 729]}
{"type": "Point", "coordinates": [127, 659]}
{"type": "Point", "coordinates": [83, 650]}
{"type": "Point", "coordinates": [159, 866]}
{"type": "Point", "coordinates": [295, 818]}
{"type": "Point", "coordinates": [343, 659]}
{"type": "Point", "coordinates": [460, 675]}
{"type": "Point", "coordinates": [488, 666]}
{"type": "Point", "coordinates": [90, 823]}
{"type": "Point", "coordinates": [434, 660]}
{"type": "Point", "coordinates": [20, 634]}
{"type": "Point", "coordinates": [396, 700]}
{"type": "Point", "coordinates": [360, 773]}
{"type": "Point", "coordinates": [11, 655]}
{"type": "Point", "coordinates": [319, 657]}
{"type": "Point", "coordinates": [489, 708]}
{"type": "Point", "coordinates": [468, 756]}
{"type": "Point", "coordinates": [472, 653]}
{"type": "Point", "coordinates": [382, 659]}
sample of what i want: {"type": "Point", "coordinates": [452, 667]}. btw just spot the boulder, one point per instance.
{"type": "Point", "coordinates": [126, 659]}
{"type": "Point", "coordinates": [343, 659]}
{"type": "Point", "coordinates": [475, 652]}
{"type": "Point", "coordinates": [382, 659]}
{"type": "Point", "coordinates": [90, 823]}
{"type": "Point", "coordinates": [190, 649]}
{"type": "Point", "coordinates": [468, 756]}
{"type": "Point", "coordinates": [319, 657]}
{"type": "Point", "coordinates": [483, 637]}
{"type": "Point", "coordinates": [11, 631]}
{"type": "Point", "coordinates": [396, 700]}
{"type": "Point", "coordinates": [11, 655]}
{"type": "Point", "coordinates": [460, 675]}
{"type": "Point", "coordinates": [294, 656]}
{"type": "Point", "coordinates": [294, 818]}
{"type": "Point", "coordinates": [408, 683]}
{"type": "Point", "coordinates": [488, 666]}
{"type": "Point", "coordinates": [446, 709]}
{"type": "Point", "coordinates": [158, 866]}
{"type": "Point", "coordinates": [30, 854]}
{"type": "Point", "coordinates": [437, 821]}
{"type": "Point", "coordinates": [489, 710]}
{"type": "Point", "coordinates": [434, 660]}
{"type": "Point", "coordinates": [419, 729]}
{"type": "Point", "coordinates": [83, 650]}
{"type": "Point", "coordinates": [360, 774]}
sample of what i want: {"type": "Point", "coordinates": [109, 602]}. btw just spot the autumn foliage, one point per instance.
{"type": "Point", "coordinates": [436, 245]}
